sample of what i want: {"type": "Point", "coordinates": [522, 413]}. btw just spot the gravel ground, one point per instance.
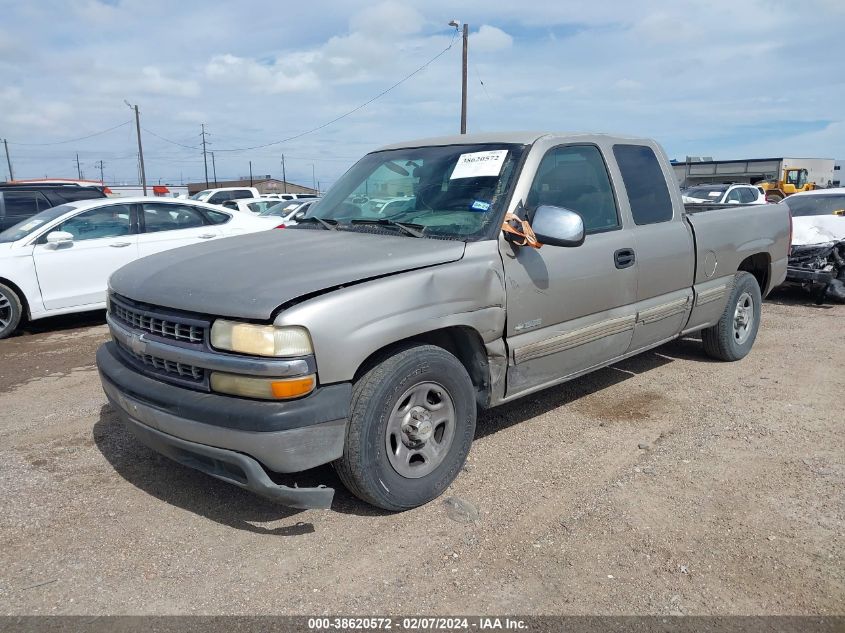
{"type": "Point", "coordinates": [667, 484]}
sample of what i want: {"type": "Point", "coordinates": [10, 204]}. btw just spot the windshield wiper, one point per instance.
{"type": "Point", "coordinates": [414, 230]}
{"type": "Point", "coordinates": [330, 225]}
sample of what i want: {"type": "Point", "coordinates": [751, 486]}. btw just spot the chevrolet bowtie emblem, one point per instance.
{"type": "Point", "coordinates": [137, 344]}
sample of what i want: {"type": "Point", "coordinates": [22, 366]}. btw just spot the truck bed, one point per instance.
{"type": "Point", "coordinates": [729, 233]}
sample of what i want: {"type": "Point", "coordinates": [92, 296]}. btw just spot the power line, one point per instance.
{"type": "Point", "coordinates": [477, 76]}
{"type": "Point", "coordinates": [354, 110]}
{"type": "Point", "coordinates": [72, 140]}
{"type": "Point", "coordinates": [170, 141]}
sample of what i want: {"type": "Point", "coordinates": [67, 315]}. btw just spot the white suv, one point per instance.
{"type": "Point", "coordinates": [724, 194]}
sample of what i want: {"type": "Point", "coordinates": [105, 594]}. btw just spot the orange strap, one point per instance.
{"type": "Point", "coordinates": [527, 233]}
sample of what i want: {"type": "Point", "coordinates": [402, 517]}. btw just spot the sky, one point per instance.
{"type": "Point", "coordinates": [722, 78]}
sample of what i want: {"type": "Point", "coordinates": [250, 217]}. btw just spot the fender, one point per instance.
{"type": "Point", "coordinates": [360, 320]}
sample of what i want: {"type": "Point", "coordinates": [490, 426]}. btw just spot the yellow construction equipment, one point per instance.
{"type": "Point", "coordinates": [794, 179]}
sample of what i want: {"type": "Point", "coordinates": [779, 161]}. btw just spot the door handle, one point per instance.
{"type": "Point", "coordinates": [624, 258]}
{"type": "Point", "coordinates": [206, 236]}
{"type": "Point", "coordinates": [119, 244]}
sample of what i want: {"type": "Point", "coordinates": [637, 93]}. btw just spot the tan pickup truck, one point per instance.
{"type": "Point", "coordinates": [369, 339]}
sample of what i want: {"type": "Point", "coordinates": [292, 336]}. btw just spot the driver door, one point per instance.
{"type": "Point", "coordinates": [76, 274]}
{"type": "Point", "coordinates": [570, 309]}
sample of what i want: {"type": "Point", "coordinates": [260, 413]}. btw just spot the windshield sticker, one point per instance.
{"type": "Point", "coordinates": [479, 164]}
{"type": "Point", "coordinates": [31, 225]}
{"type": "Point", "coordinates": [480, 205]}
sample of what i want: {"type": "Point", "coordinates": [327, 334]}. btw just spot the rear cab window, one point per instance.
{"type": "Point", "coordinates": [645, 183]}
{"type": "Point", "coordinates": [240, 194]}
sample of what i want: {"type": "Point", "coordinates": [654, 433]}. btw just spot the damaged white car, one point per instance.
{"type": "Point", "coordinates": [817, 259]}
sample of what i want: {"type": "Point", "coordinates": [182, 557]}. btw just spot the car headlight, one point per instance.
{"type": "Point", "coordinates": [260, 340]}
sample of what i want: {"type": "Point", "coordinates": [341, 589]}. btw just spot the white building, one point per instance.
{"type": "Point", "coordinates": [164, 191]}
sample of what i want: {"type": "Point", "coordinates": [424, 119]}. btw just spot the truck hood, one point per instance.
{"type": "Point", "coordinates": [250, 276]}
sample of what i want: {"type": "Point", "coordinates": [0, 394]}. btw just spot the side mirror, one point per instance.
{"type": "Point", "coordinates": [57, 238]}
{"type": "Point", "coordinates": [557, 226]}
{"type": "Point", "coordinates": [299, 215]}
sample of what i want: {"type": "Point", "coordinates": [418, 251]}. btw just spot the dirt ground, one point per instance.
{"type": "Point", "coordinates": [668, 484]}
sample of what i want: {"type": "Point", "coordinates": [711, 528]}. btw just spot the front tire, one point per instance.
{"type": "Point", "coordinates": [733, 336]}
{"type": "Point", "coordinates": [11, 311]}
{"type": "Point", "coordinates": [410, 429]}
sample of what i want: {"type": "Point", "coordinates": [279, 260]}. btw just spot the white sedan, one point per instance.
{"type": "Point", "coordinates": [59, 260]}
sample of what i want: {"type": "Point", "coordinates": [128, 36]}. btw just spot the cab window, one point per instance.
{"type": "Point", "coordinates": [645, 184]}
{"type": "Point", "coordinates": [575, 177]}
{"type": "Point", "coordinates": [241, 194]}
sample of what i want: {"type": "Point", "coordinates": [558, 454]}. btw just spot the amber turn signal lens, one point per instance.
{"type": "Point", "coordinates": [263, 388]}
{"type": "Point", "coordinates": [293, 388]}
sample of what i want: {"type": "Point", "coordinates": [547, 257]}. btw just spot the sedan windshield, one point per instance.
{"type": "Point", "coordinates": [822, 204]}
{"type": "Point", "coordinates": [30, 225]}
{"type": "Point", "coordinates": [202, 195]}
{"type": "Point", "coordinates": [280, 209]}
{"type": "Point", "coordinates": [454, 191]}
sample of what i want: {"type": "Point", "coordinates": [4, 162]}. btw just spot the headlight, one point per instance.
{"type": "Point", "coordinates": [260, 340]}
{"type": "Point", "coordinates": [264, 388]}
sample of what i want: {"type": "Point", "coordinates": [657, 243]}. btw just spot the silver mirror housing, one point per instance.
{"type": "Point", "coordinates": [557, 226]}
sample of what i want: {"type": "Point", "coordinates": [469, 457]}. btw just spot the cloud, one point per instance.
{"type": "Point", "coordinates": [489, 39]}
{"type": "Point", "coordinates": [18, 110]}
{"type": "Point", "coordinates": [696, 76]}
{"type": "Point", "coordinates": [252, 76]}
{"type": "Point", "coordinates": [628, 84]}
{"type": "Point", "coordinates": [387, 20]}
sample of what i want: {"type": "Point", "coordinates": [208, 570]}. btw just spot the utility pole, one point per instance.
{"type": "Point", "coordinates": [214, 168]}
{"type": "Point", "coordinates": [284, 176]}
{"type": "Point", "coordinates": [204, 158]}
{"type": "Point", "coordinates": [313, 177]}
{"type": "Point", "coordinates": [464, 83]}
{"type": "Point", "coordinates": [78, 170]}
{"type": "Point", "coordinates": [8, 160]}
{"type": "Point", "coordinates": [102, 178]}
{"type": "Point", "coordinates": [140, 149]}
{"type": "Point", "coordinates": [250, 173]}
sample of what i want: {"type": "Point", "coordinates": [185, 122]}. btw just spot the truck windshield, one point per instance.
{"type": "Point", "coordinates": [452, 191]}
{"type": "Point", "coordinates": [30, 225]}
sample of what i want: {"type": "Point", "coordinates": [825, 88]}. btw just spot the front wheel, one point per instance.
{"type": "Point", "coordinates": [11, 311]}
{"type": "Point", "coordinates": [732, 337]}
{"type": "Point", "coordinates": [410, 429]}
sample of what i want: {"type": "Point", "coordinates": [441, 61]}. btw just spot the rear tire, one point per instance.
{"type": "Point", "coordinates": [733, 336]}
{"type": "Point", "coordinates": [411, 426]}
{"type": "Point", "coordinates": [11, 311]}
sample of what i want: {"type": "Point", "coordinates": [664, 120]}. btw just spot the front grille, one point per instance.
{"type": "Point", "coordinates": [168, 367]}
{"type": "Point", "coordinates": [160, 325]}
